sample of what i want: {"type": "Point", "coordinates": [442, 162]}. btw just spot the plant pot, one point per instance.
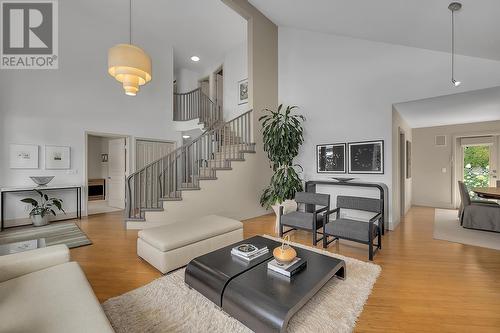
{"type": "Point", "coordinates": [39, 220]}
{"type": "Point", "coordinates": [288, 206]}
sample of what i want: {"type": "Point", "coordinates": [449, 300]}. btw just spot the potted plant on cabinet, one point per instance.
{"type": "Point", "coordinates": [283, 135]}
{"type": "Point", "coordinates": [41, 211]}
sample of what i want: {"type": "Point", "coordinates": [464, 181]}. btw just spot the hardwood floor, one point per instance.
{"type": "Point", "coordinates": [426, 285]}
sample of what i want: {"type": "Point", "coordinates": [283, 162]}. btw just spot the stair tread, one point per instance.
{"type": "Point", "coordinates": [171, 199]}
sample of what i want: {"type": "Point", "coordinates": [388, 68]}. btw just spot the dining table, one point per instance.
{"type": "Point", "coordinates": [488, 192]}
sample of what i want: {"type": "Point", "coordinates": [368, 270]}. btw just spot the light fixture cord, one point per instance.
{"type": "Point", "coordinates": [130, 22]}
{"type": "Point", "coordinates": [452, 44]}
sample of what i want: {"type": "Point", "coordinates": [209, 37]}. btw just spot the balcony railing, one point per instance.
{"type": "Point", "coordinates": [195, 104]}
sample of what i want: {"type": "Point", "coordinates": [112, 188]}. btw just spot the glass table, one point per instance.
{"type": "Point", "coordinates": [21, 246]}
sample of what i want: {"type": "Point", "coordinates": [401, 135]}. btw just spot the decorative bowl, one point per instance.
{"type": "Point", "coordinates": [342, 179]}
{"type": "Point", "coordinates": [41, 180]}
{"type": "Point", "coordinates": [284, 254]}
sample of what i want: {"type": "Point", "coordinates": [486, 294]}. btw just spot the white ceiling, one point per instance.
{"type": "Point", "coordinates": [206, 28]}
{"type": "Point", "coordinates": [417, 23]}
{"type": "Point", "coordinates": [468, 107]}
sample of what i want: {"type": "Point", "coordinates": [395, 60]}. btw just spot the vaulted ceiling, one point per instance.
{"type": "Point", "coordinates": [467, 107]}
{"type": "Point", "coordinates": [206, 28]}
{"type": "Point", "coordinates": [416, 23]}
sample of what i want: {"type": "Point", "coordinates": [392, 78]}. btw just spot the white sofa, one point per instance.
{"type": "Point", "coordinates": [42, 291]}
{"type": "Point", "coordinates": [174, 245]}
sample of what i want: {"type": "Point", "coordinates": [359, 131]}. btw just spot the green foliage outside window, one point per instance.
{"type": "Point", "coordinates": [476, 167]}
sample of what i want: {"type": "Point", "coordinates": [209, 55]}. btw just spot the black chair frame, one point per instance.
{"type": "Point", "coordinates": [315, 228]}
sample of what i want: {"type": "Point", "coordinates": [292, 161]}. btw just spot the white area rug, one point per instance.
{"type": "Point", "coordinates": [447, 227]}
{"type": "Point", "coordinates": [168, 305]}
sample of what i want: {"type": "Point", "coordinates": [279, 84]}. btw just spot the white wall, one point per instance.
{"type": "Point", "coordinates": [235, 69]}
{"type": "Point", "coordinates": [187, 80]}
{"type": "Point", "coordinates": [346, 87]}
{"type": "Point", "coordinates": [58, 106]}
{"type": "Point", "coordinates": [431, 186]}
{"type": "Point", "coordinates": [399, 125]}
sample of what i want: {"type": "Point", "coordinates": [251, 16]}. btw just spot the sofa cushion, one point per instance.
{"type": "Point", "coordinates": [21, 263]}
{"type": "Point", "coordinates": [173, 236]}
{"type": "Point", "coordinates": [56, 299]}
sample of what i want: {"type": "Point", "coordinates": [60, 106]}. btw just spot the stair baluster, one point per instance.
{"type": "Point", "coordinates": [181, 169]}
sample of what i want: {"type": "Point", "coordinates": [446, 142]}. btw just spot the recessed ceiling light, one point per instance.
{"type": "Point", "coordinates": [186, 136]}
{"type": "Point", "coordinates": [195, 58]}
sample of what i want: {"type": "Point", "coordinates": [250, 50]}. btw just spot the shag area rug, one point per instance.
{"type": "Point", "coordinates": [54, 234]}
{"type": "Point", "coordinates": [168, 305]}
{"type": "Point", "coordinates": [447, 227]}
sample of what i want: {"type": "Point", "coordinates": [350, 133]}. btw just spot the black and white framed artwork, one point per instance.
{"type": "Point", "coordinates": [330, 158]}
{"type": "Point", "coordinates": [23, 156]}
{"type": "Point", "coordinates": [57, 157]}
{"type": "Point", "coordinates": [366, 157]}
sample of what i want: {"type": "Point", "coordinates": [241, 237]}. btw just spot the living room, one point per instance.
{"type": "Point", "coordinates": [347, 205]}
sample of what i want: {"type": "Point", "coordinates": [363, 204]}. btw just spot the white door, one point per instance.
{"type": "Point", "coordinates": [477, 163]}
{"type": "Point", "coordinates": [219, 86]}
{"type": "Point", "coordinates": [147, 151]}
{"type": "Point", "coordinates": [116, 173]}
{"type": "Point", "coordinates": [205, 87]}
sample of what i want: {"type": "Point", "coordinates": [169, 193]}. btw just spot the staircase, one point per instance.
{"type": "Point", "coordinates": [152, 187]}
{"type": "Point", "coordinates": [196, 105]}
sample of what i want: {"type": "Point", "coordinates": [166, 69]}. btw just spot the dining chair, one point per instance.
{"type": "Point", "coordinates": [467, 201]}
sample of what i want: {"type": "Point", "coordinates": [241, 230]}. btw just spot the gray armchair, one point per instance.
{"type": "Point", "coordinates": [353, 230]}
{"type": "Point", "coordinates": [305, 220]}
{"type": "Point", "coordinates": [467, 201]}
{"type": "Point", "coordinates": [478, 214]}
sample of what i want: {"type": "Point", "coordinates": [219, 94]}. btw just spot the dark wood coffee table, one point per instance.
{"type": "Point", "coordinates": [262, 300]}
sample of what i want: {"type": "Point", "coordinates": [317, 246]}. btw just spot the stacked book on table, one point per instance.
{"type": "Point", "coordinates": [288, 269]}
{"type": "Point", "coordinates": [248, 252]}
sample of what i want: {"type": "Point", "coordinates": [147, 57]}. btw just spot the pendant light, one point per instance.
{"type": "Point", "coordinates": [453, 7]}
{"type": "Point", "coordinates": [129, 64]}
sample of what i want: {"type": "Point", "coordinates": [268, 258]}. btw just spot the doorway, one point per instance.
{"type": "Point", "coordinates": [478, 162]}
{"type": "Point", "coordinates": [204, 85]}
{"type": "Point", "coordinates": [106, 171]}
{"type": "Point", "coordinates": [402, 173]}
{"type": "Point", "coordinates": [150, 150]}
{"type": "Point", "coordinates": [219, 87]}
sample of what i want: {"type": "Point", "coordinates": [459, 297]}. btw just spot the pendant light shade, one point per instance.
{"type": "Point", "coordinates": [129, 65]}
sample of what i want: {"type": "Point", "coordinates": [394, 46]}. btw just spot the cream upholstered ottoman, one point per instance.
{"type": "Point", "coordinates": [174, 245]}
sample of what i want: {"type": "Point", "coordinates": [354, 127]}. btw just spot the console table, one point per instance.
{"type": "Point", "coordinates": [6, 190]}
{"type": "Point", "coordinates": [383, 190]}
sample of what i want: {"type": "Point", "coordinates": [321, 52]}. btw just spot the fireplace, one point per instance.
{"type": "Point", "coordinates": [97, 189]}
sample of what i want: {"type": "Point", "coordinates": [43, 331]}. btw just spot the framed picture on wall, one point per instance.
{"type": "Point", "coordinates": [330, 158]}
{"type": "Point", "coordinates": [243, 91]}
{"type": "Point", "coordinates": [366, 157]}
{"type": "Point", "coordinates": [57, 157]}
{"type": "Point", "coordinates": [23, 156]}
{"type": "Point", "coordinates": [408, 159]}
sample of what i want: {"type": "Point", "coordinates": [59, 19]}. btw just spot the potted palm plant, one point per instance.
{"type": "Point", "coordinates": [283, 135]}
{"type": "Point", "coordinates": [41, 211]}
